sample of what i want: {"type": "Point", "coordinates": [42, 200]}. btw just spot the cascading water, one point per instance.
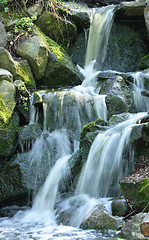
{"type": "Point", "coordinates": [99, 35]}
{"type": "Point", "coordinates": [65, 113]}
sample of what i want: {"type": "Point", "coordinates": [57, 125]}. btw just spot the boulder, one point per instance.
{"type": "Point", "coordinates": [3, 36]}
{"type": "Point", "coordinates": [137, 192]}
{"type": "Point", "coordinates": [146, 15]}
{"type": "Point", "coordinates": [35, 51]}
{"type": "Point", "coordinates": [119, 207]}
{"type": "Point", "coordinates": [19, 69]}
{"type": "Point", "coordinates": [102, 220]}
{"type": "Point", "coordinates": [131, 10]}
{"type": "Point", "coordinates": [12, 191]}
{"type": "Point", "coordinates": [35, 10]}
{"type": "Point", "coordinates": [131, 229]}
{"type": "Point", "coordinates": [5, 75]}
{"type": "Point", "coordinates": [60, 30]}
{"type": "Point", "coordinates": [8, 91]}
{"type": "Point", "coordinates": [78, 13]}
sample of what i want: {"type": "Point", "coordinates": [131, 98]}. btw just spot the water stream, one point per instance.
{"type": "Point", "coordinates": [65, 113]}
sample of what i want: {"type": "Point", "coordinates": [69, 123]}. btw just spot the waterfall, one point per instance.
{"type": "Point", "coordinates": [105, 166]}
{"type": "Point", "coordinates": [140, 90]}
{"type": "Point", "coordinates": [99, 35]}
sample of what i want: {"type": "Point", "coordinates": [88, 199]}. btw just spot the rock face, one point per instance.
{"type": "Point", "coordinates": [146, 15]}
{"type": "Point", "coordinates": [61, 31]}
{"type": "Point", "coordinates": [101, 220]}
{"type": "Point", "coordinates": [3, 36]}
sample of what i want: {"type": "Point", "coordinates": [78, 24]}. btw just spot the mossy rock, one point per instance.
{"type": "Point", "coordinates": [144, 62]}
{"type": "Point", "coordinates": [61, 31]}
{"type": "Point", "coordinates": [5, 75]}
{"type": "Point", "coordinates": [137, 192]}
{"type": "Point", "coordinates": [19, 69]}
{"type": "Point", "coordinates": [115, 105]}
{"type": "Point", "coordinates": [12, 191]}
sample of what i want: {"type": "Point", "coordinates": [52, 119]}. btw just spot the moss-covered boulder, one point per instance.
{"type": "Point", "coordinates": [35, 51]}
{"type": "Point", "coordinates": [8, 92]}
{"type": "Point", "coordinates": [60, 30]}
{"type": "Point", "coordinates": [5, 75]}
{"type": "Point", "coordinates": [102, 220]}
{"type": "Point", "coordinates": [19, 69]}
{"type": "Point", "coordinates": [12, 191]}
{"type": "Point", "coordinates": [137, 191]}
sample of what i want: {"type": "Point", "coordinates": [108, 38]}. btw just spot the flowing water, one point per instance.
{"type": "Point", "coordinates": [65, 113]}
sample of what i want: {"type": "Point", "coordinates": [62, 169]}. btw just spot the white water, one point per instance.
{"type": "Point", "coordinates": [99, 35]}
{"type": "Point", "coordinates": [141, 83]}
{"type": "Point", "coordinates": [39, 222]}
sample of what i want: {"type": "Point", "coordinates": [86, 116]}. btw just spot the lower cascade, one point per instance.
{"type": "Point", "coordinates": [72, 181]}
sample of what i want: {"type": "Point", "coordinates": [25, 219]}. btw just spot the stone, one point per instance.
{"type": "Point", "coordinates": [35, 51]}
{"type": "Point", "coordinates": [60, 30]}
{"type": "Point", "coordinates": [9, 92]}
{"type": "Point", "coordinates": [19, 69]}
{"type": "Point", "coordinates": [146, 15]}
{"type": "Point", "coordinates": [119, 207]}
{"type": "Point", "coordinates": [5, 75]}
{"type": "Point", "coordinates": [35, 10]}
{"type": "Point", "coordinates": [102, 220]}
{"type": "Point", "coordinates": [144, 62]}
{"type": "Point", "coordinates": [131, 10]}
{"type": "Point", "coordinates": [137, 192]}
{"type": "Point", "coordinates": [3, 36]}
{"type": "Point", "coordinates": [78, 13]}
{"type": "Point", "coordinates": [131, 229]}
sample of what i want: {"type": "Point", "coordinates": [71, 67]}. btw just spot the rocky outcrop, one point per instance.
{"type": "Point", "coordinates": [60, 30]}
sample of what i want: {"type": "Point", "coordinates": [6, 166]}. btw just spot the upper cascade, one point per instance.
{"type": "Point", "coordinates": [99, 33]}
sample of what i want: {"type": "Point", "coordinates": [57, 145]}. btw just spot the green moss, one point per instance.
{"type": "Point", "coordinates": [144, 62]}
{"type": "Point", "coordinates": [144, 190]}
{"type": "Point", "coordinates": [5, 113]}
{"type": "Point", "coordinates": [23, 70]}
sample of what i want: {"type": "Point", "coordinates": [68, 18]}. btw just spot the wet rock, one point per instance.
{"type": "Point", "coordinates": [102, 220]}
{"type": "Point", "coordinates": [60, 30]}
{"type": "Point", "coordinates": [77, 51]}
{"type": "Point", "coordinates": [3, 36]}
{"type": "Point", "coordinates": [146, 15]}
{"type": "Point", "coordinates": [28, 135]}
{"type": "Point", "coordinates": [137, 192]}
{"type": "Point", "coordinates": [78, 13]}
{"type": "Point", "coordinates": [8, 90]}
{"type": "Point", "coordinates": [115, 105]}
{"type": "Point", "coordinates": [131, 10]}
{"type": "Point", "coordinates": [131, 229]}
{"type": "Point", "coordinates": [119, 207]}
{"type": "Point", "coordinates": [12, 191]}
{"type": "Point", "coordinates": [115, 119]}
{"type": "Point", "coordinates": [5, 75]}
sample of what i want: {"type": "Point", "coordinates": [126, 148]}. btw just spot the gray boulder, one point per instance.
{"type": "Point", "coordinates": [119, 207]}
{"type": "Point", "coordinates": [8, 91]}
{"type": "Point", "coordinates": [3, 36]}
{"type": "Point", "coordinates": [102, 220]}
